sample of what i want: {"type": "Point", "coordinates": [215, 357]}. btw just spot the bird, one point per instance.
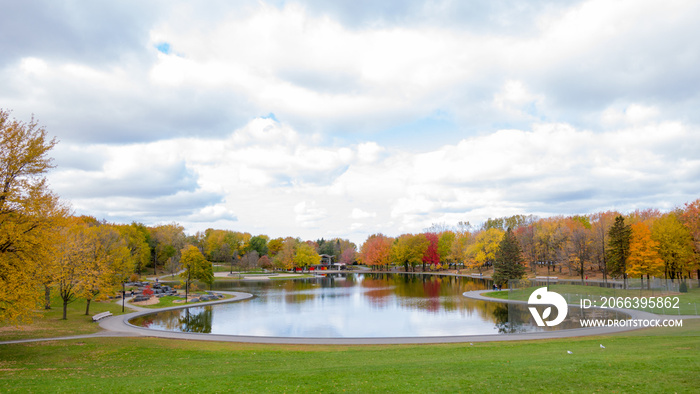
{"type": "Point", "coordinates": [570, 352]}
{"type": "Point", "coordinates": [471, 344]}
{"type": "Point", "coordinates": [601, 346]}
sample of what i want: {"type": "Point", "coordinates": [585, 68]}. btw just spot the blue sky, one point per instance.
{"type": "Point", "coordinates": [347, 118]}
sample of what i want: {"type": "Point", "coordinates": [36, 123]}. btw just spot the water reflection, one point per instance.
{"type": "Point", "coordinates": [352, 305]}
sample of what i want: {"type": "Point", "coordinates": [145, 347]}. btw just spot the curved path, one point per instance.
{"type": "Point", "coordinates": [118, 326]}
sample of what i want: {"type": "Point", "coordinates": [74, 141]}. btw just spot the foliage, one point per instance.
{"type": "Point", "coordinates": [644, 258]}
{"type": "Point", "coordinates": [306, 256]}
{"type": "Point", "coordinates": [196, 266]}
{"type": "Point", "coordinates": [431, 255]}
{"type": "Point", "coordinates": [618, 247]}
{"type": "Point", "coordinates": [28, 212]}
{"type": "Point", "coordinates": [508, 260]}
{"type": "Point", "coordinates": [376, 251]}
{"type": "Point", "coordinates": [483, 251]}
{"type": "Point", "coordinates": [675, 245]}
{"type": "Point", "coordinates": [409, 250]}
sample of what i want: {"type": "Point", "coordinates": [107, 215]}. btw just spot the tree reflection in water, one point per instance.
{"type": "Point", "coordinates": [196, 320]}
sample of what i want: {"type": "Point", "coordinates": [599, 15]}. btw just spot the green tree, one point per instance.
{"type": "Point", "coordinates": [508, 260]}
{"type": "Point", "coordinates": [675, 245]}
{"type": "Point", "coordinates": [619, 248]}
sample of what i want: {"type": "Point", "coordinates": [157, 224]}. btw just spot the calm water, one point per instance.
{"type": "Point", "coordinates": [352, 305]}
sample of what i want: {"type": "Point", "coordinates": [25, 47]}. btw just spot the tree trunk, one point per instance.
{"type": "Point", "coordinates": [65, 309]}
{"type": "Point", "coordinates": [87, 308]}
{"type": "Point", "coordinates": [47, 297]}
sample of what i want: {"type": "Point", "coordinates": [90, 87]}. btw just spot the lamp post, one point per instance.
{"type": "Point", "coordinates": [123, 295]}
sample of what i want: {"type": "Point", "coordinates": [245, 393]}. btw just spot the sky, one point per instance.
{"type": "Point", "coordinates": [318, 119]}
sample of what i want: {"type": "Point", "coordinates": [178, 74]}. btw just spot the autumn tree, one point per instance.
{"type": "Point", "coordinates": [483, 251]}
{"type": "Point", "coordinates": [431, 255]}
{"type": "Point", "coordinates": [644, 258]}
{"type": "Point", "coordinates": [675, 245]}
{"type": "Point", "coordinates": [600, 226]}
{"type": "Point", "coordinates": [618, 248]}
{"type": "Point", "coordinates": [444, 247]}
{"type": "Point", "coordinates": [71, 245]}
{"type": "Point", "coordinates": [28, 211]}
{"type": "Point", "coordinates": [284, 259]}
{"type": "Point", "coordinates": [376, 251]}
{"type": "Point", "coordinates": [135, 236]}
{"type": "Point", "coordinates": [305, 255]}
{"type": "Point", "coordinates": [690, 217]}
{"type": "Point", "coordinates": [196, 267]}
{"type": "Point", "coordinates": [104, 263]}
{"type": "Point", "coordinates": [409, 249]}
{"type": "Point", "coordinates": [508, 260]}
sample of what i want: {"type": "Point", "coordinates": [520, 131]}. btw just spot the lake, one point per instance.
{"type": "Point", "coordinates": [355, 305]}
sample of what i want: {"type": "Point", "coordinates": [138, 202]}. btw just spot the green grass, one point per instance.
{"type": "Point", "coordinates": [50, 323]}
{"type": "Point", "coordinates": [667, 362]}
{"type": "Point", "coordinates": [688, 302]}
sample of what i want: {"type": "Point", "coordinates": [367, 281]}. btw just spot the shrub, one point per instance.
{"type": "Point", "coordinates": [134, 278]}
{"type": "Point", "coordinates": [147, 291]}
{"type": "Point", "coordinates": [683, 288]}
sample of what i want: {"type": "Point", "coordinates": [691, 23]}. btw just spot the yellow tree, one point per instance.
{"type": "Point", "coordinates": [644, 258]}
{"type": "Point", "coordinates": [196, 266]}
{"type": "Point", "coordinates": [28, 211]}
{"type": "Point", "coordinates": [105, 263]}
{"type": "Point", "coordinates": [675, 245]}
{"type": "Point", "coordinates": [483, 251]}
{"type": "Point", "coordinates": [409, 249]}
{"type": "Point", "coordinates": [306, 255]}
{"type": "Point", "coordinates": [71, 245]}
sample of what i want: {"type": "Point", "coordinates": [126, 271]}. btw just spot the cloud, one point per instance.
{"type": "Point", "coordinates": [325, 119]}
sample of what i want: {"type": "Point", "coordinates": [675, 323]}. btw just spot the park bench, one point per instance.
{"type": "Point", "coordinates": [101, 316]}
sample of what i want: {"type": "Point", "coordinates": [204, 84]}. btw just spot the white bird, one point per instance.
{"type": "Point", "coordinates": [601, 346]}
{"type": "Point", "coordinates": [471, 344]}
{"type": "Point", "coordinates": [569, 351]}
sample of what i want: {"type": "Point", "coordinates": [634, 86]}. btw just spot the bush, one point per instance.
{"type": "Point", "coordinates": [683, 288]}
{"type": "Point", "coordinates": [134, 278]}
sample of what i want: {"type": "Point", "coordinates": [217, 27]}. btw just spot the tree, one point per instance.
{"type": "Point", "coordinates": [168, 240]}
{"type": "Point", "coordinates": [483, 251]}
{"type": "Point", "coordinates": [690, 217]}
{"type": "Point", "coordinates": [196, 266]}
{"type": "Point", "coordinates": [644, 258]}
{"type": "Point", "coordinates": [71, 245]}
{"type": "Point", "coordinates": [508, 260]}
{"type": "Point", "coordinates": [431, 255]}
{"type": "Point", "coordinates": [284, 259]}
{"type": "Point", "coordinates": [618, 248]}
{"type": "Point", "coordinates": [675, 245]}
{"type": "Point", "coordinates": [600, 226]}
{"type": "Point", "coordinates": [409, 250]}
{"type": "Point", "coordinates": [376, 251]}
{"type": "Point", "coordinates": [444, 247]}
{"type": "Point", "coordinates": [306, 255]}
{"type": "Point", "coordinates": [259, 244]}
{"type": "Point", "coordinates": [28, 211]}
{"type": "Point", "coordinates": [136, 237]}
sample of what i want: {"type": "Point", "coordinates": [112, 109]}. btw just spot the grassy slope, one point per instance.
{"type": "Point", "coordinates": [50, 323]}
{"type": "Point", "coordinates": [667, 362]}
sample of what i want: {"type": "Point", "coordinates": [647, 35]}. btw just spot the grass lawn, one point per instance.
{"type": "Point", "coordinates": [688, 302]}
{"type": "Point", "coordinates": [50, 323]}
{"type": "Point", "coordinates": [636, 362]}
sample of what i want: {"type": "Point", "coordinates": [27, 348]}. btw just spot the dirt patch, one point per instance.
{"type": "Point", "coordinates": [151, 301]}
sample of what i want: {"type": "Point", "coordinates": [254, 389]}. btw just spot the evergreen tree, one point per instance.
{"type": "Point", "coordinates": [508, 258]}
{"type": "Point", "coordinates": [618, 247]}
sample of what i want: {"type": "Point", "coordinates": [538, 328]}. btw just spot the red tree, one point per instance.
{"type": "Point", "coordinates": [431, 255]}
